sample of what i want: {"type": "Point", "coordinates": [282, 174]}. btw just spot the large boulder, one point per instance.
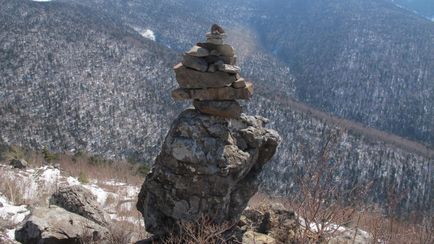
{"type": "Point", "coordinates": [77, 199]}
{"type": "Point", "coordinates": [56, 225]}
{"type": "Point", "coordinates": [208, 166]}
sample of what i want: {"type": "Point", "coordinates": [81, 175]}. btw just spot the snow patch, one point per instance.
{"type": "Point", "coordinates": [12, 214]}
{"type": "Point", "coordinates": [149, 34]}
{"type": "Point", "coordinates": [50, 175]}
{"type": "Point", "coordinates": [42, 1]}
{"type": "Point", "coordinates": [101, 195]}
{"type": "Point", "coordinates": [10, 233]}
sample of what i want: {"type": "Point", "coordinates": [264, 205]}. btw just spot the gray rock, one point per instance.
{"type": "Point", "coordinates": [19, 163]}
{"type": "Point", "coordinates": [207, 166]}
{"type": "Point", "coordinates": [212, 68]}
{"type": "Point", "coordinates": [251, 237]}
{"type": "Point", "coordinates": [195, 63]}
{"type": "Point", "coordinates": [273, 220]}
{"type": "Point", "coordinates": [212, 59]}
{"type": "Point", "coordinates": [189, 78]}
{"type": "Point", "coordinates": [224, 93]}
{"type": "Point", "coordinates": [231, 69]}
{"type": "Point", "coordinates": [198, 51]}
{"type": "Point", "coordinates": [81, 201]}
{"type": "Point", "coordinates": [56, 225]}
{"type": "Point", "coordinates": [240, 83]}
{"type": "Point", "coordinates": [216, 41]}
{"type": "Point", "coordinates": [219, 50]}
{"type": "Point", "coordinates": [227, 109]}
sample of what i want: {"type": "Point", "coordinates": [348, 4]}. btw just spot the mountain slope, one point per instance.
{"type": "Point", "coordinates": [73, 79]}
{"type": "Point", "coordinates": [367, 61]}
{"type": "Point", "coordinates": [422, 7]}
{"type": "Point", "coordinates": [364, 60]}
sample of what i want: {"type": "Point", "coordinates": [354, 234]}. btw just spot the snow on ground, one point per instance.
{"type": "Point", "coordinates": [101, 195]}
{"type": "Point", "coordinates": [39, 183]}
{"type": "Point", "coordinates": [10, 213]}
{"type": "Point", "coordinates": [337, 230]}
{"type": "Point", "coordinates": [148, 34]}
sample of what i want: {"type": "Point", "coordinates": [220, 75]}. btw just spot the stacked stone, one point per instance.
{"type": "Point", "coordinates": [208, 74]}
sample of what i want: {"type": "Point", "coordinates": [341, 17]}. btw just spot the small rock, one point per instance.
{"type": "Point", "coordinates": [224, 93]}
{"type": "Point", "coordinates": [198, 51]}
{"type": "Point", "coordinates": [189, 78]}
{"type": "Point", "coordinates": [220, 50]}
{"type": "Point", "coordinates": [240, 83]}
{"type": "Point", "coordinates": [195, 63]}
{"type": "Point", "coordinates": [18, 163]}
{"type": "Point", "coordinates": [251, 237]}
{"type": "Point", "coordinates": [227, 109]}
{"type": "Point", "coordinates": [216, 30]}
{"type": "Point", "coordinates": [231, 69]}
{"type": "Point", "coordinates": [215, 41]}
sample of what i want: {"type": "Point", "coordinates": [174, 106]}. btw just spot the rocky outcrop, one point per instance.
{"type": "Point", "coordinates": [77, 199]}
{"type": "Point", "coordinates": [56, 225]}
{"type": "Point", "coordinates": [208, 165]}
{"type": "Point", "coordinates": [212, 156]}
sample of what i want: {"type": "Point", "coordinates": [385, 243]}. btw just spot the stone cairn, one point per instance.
{"type": "Point", "coordinates": [208, 75]}
{"type": "Point", "coordinates": [209, 162]}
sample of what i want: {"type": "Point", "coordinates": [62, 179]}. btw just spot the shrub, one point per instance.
{"type": "Point", "coordinates": [82, 178]}
{"type": "Point", "coordinates": [48, 156]}
{"type": "Point", "coordinates": [14, 152]}
{"type": "Point", "coordinates": [143, 170]}
{"type": "Point", "coordinates": [97, 160]}
{"type": "Point", "coordinates": [202, 231]}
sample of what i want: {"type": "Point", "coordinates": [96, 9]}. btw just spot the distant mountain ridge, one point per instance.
{"type": "Point", "coordinates": [423, 7]}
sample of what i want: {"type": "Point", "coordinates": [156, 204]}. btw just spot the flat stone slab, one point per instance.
{"type": "Point", "coordinates": [193, 79]}
{"type": "Point", "coordinates": [224, 93]}
{"type": "Point", "coordinates": [226, 60]}
{"type": "Point", "coordinates": [219, 50]}
{"type": "Point", "coordinates": [196, 63]}
{"type": "Point", "coordinates": [227, 68]}
{"type": "Point", "coordinates": [198, 51]}
{"type": "Point", "coordinates": [240, 83]}
{"type": "Point", "coordinates": [226, 109]}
